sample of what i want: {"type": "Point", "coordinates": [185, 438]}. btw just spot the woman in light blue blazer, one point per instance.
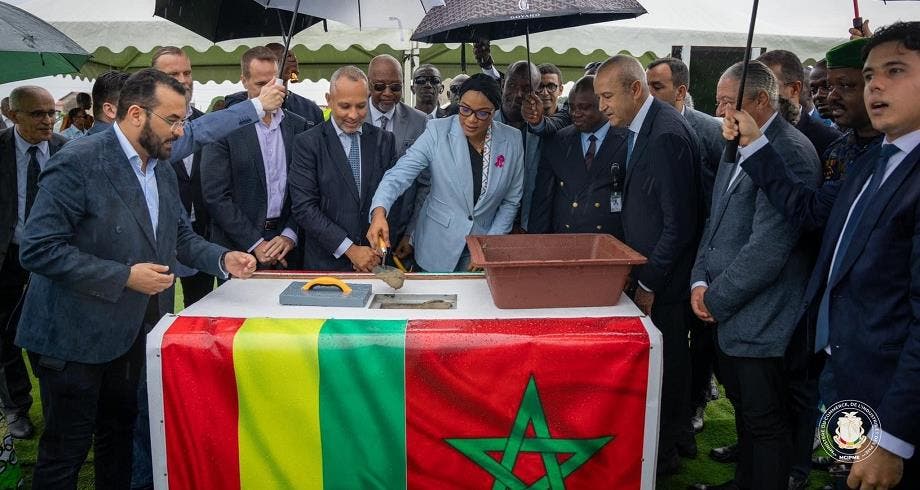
{"type": "Point", "coordinates": [477, 174]}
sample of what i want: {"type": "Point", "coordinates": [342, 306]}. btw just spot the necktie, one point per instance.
{"type": "Point", "coordinates": [822, 335]}
{"type": "Point", "coordinates": [592, 149]}
{"type": "Point", "coordinates": [383, 122]}
{"type": "Point", "coordinates": [32, 171]}
{"type": "Point", "coordinates": [354, 160]}
{"type": "Point", "coordinates": [630, 143]}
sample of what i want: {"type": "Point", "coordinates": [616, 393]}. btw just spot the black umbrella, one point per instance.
{"type": "Point", "coordinates": [222, 20]}
{"type": "Point", "coordinates": [470, 21]}
{"type": "Point", "coordinates": [731, 148]}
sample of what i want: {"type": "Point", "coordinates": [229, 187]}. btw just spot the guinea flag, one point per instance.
{"type": "Point", "coordinates": [360, 404]}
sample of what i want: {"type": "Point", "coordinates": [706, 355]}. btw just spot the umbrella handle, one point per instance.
{"type": "Point", "coordinates": [731, 148]}
{"type": "Point", "coordinates": [287, 40]}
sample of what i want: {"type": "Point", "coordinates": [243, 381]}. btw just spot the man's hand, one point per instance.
{"type": "Point", "coordinates": [483, 53]}
{"type": "Point", "coordinates": [699, 305]}
{"type": "Point", "coordinates": [150, 278]}
{"type": "Point", "coordinates": [378, 229]}
{"type": "Point", "coordinates": [644, 299]}
{"type": "Point", "coordinates": [363, 258]}
{"type": "Point", "coordinates": [404, 249]}
{"type": "Point", "coordinates": [532, 109]}
{"type": "Point", "coordinates": [272, 96]}
{"type": "Point", "coordinates": [261, 253]}
{"type": "Point", "coordinates": [863, 31]}
{"type": "Point", "coordinates": [740, 121]}
{"type": "Point", "coordinates": [240, 264]}
{"type": "Point", "coordinates": [278, 248]}
{"type": "Point", "coordinates": [881, 470]}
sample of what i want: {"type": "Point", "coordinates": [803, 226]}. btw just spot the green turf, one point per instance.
{"type": "Point", "coordinates": [719, 431]}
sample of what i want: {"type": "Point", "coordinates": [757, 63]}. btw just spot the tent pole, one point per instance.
{"type": "Point", "coordinates": [731, 148]}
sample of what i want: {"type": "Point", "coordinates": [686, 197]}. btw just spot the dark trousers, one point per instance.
{"type": "Point", "coordinates": [196, 287]}
{"type": "Point", "coordinates": [81, 402]}
{"type": "Point", "coordinates": [756, 388]}
{"type": "Point", "coordinates": [702, 360]}
{"type": "Point", "coordinates": [15, 387]}
{"type": "Point", "coordinates": [803, 370]}
{"type": "Point", "coordinates": [671, 321]}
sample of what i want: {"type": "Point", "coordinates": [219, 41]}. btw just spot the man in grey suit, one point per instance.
{"type": "Point", "coordinates": [244, 175]}
{"type": "Point", "coordinates": [32, 113]}
{"type": "Point", "coordinates": [387, 111]}
{"type": "Point", "coordinates": [749, 275]}
{"type": "Point", "coordinates": [101, 242]}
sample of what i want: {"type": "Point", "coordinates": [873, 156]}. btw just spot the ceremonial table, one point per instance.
{"type": "Point", "coordinates": [247, 393]}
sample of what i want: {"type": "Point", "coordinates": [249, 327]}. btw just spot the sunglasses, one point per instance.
{"type": "Point", "coordinates": [381, 87]}
{"type": "Point", "coordinates": [429, 80]}
{"type": "Point", "coordinates": [482, 115]}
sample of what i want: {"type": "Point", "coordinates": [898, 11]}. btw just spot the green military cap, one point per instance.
{"type": "Point", "coordinates": [847, 55]}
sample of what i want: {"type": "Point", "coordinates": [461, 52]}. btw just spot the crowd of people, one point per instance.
{"type": "Point", "coordinates": [790, 270]}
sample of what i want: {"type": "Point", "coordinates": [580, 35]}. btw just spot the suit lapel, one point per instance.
{"type": "Point", "coordinates": [641, 140]}
{"type": "Point", "coordinates": [369, 145]}
{"type": "Point", "coordinates": [250, 140]}
{"type": "Point", "coordinates": [120, 173]}
{"type": "Point", "coordinates": [340, 159]}
{"type": "Point", "coordinates": [872, 213]}
{"type": "Point", "coordinates": [461, 162]}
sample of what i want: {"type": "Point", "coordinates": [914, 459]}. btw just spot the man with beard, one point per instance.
{"type": "Point", "coordinates": [427, 86]}
{"type": "Point", "coordinates": [101, 242]}
{"type": "Point", "coordinates": [579, 185]}
{"type": "Point", "coordinates": [848, 108]}
{"type": "Point", "coordinates": [25, 148]}
{"type": "Point", "coordinates": [817, 85]}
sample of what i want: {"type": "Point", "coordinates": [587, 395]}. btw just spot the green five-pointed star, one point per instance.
{"type": "Point", "coordinates": [531, 410]}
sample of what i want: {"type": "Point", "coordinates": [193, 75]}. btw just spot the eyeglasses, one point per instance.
{"type": "Point", "coordinates": [380, 87]}
{"type": "Point", "coordinates": [429, 80]}
{"type": "Point", "coordinates": [174, 125]}
{"type": "Point", "coordinates": [482, 115]}
{"type": "Point", "coordinates": [550, 87]}
{"type": "Point", "coordinates": [39, 115]}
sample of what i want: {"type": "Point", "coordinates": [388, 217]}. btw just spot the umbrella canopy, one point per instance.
{"type": "Point", "coordinates": [363, 14]}
{"type": "Point", "coordinates": [474, 20]}
{"type": "Point", "coordinates": [222, 20]}
{"type": "Point", "coordinates": [30, 47]}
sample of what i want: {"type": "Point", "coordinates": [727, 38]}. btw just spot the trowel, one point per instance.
{"type": "Point", "coordinates": [392, 276]}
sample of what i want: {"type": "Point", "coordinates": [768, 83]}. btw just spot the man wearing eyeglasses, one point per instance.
{"type": "Point", "coordinates": [24, 149]}
{"type": "Point", "coordinates": [427, 87]}
{"type": "Point", "coordinates": [387, 111]}
{"type": "Point", "coordinates": [550, 87]}
{"type": "Point", "coordinates": [791, 75]}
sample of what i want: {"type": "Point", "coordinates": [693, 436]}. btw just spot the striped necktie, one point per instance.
{"type": "Point", "coordinates": [354, 160]}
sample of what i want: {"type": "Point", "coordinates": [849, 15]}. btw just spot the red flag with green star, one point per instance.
{"type": "Point", "coordinates": [509, 404]}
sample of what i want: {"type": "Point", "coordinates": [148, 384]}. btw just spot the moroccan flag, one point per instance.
{"type": "Point", "coordinates": [362, 404]}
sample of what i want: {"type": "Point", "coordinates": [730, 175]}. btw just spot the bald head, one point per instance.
{"type": "Point", "coordinates": [621, 88]}
{"type": "Point", "coordinates": [386, 79]}
{"type": "Point", "coordinates": [385, 63]}
{"type": "Point", "coordinates": [521, 79]}
{"type": "Point", "coordinates": [32, 109]}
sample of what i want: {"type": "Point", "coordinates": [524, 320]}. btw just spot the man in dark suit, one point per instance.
{"type": "Point", "coordinates": [244, 176]}
{"type": "Point", "coordinates": [32, 112]}
{"type": "Point", "coordinates": [791, 75]}
{"type": "Point", "coordinates": [105, 93]}
{"type": "Point", "coordinates": [297, 104]}
{"type": "Point", "coordinates": [427, 86]}
{"type": "Point", "coordinates": [750, 270]}
{"type": "Point", "coordinates": [336, 169]}
{"type": "Point", "coordinates": [101, 241]}
{"type": "Point", "coordinates": [860, 304]}
{"type": "Point", "coordinates": [579, 187]}
{"type": "Point", "coordinates": [660, 221]}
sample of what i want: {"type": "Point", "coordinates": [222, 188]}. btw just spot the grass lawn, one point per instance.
{"type": "Point", "coordinates": [719, 431]}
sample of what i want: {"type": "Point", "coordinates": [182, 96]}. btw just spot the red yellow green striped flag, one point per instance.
{"type": "Point", "coordinates": [336, 404]}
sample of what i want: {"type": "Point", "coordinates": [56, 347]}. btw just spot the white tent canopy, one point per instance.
{"type": "Point", "coordinates": [806, 27]}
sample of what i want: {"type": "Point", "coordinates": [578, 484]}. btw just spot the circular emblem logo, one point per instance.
{"type": "Point", "coordinates": [523, 5]}
{"type": "Point", "coordinates": [846, 433]}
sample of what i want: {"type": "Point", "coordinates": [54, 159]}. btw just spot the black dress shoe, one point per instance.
{"type": "Point", "coordinates": [798, 483]}
{"type": "Point", "coordinates": [20, 426]}
{"type": "Point", "coordinates": [687, 449]}
{"type": "Point", "coordinates": [724, 454]}
{"type": "Point", "coordinates": [729, 485]}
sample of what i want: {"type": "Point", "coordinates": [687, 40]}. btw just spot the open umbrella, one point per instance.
{"type": "Point", "coordinates": [30, 47]}
{"type": "Point", "coordinates": [469, 21]}
{"type": "Point", "coordinates": [222, 20]}
{"type": "Point", "coordinates": [363, 14]}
